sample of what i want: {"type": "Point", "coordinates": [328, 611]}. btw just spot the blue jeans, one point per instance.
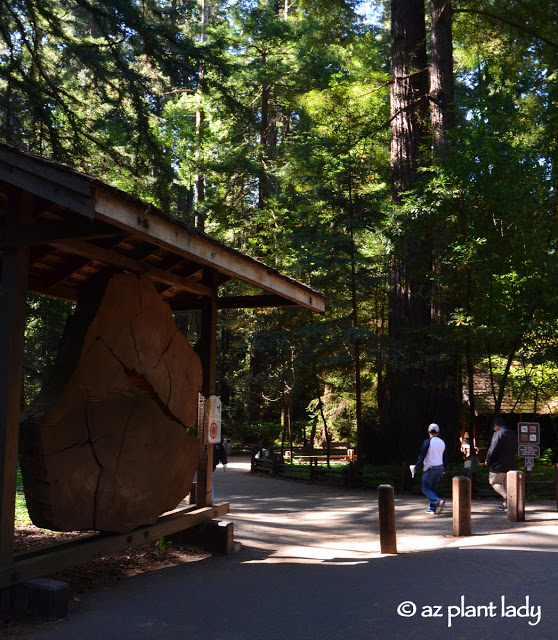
{"type": "Point", "coordinates": [430, 481]}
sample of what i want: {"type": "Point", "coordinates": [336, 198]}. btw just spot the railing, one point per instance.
{"type": "Point", "coordinates": [310, 468]}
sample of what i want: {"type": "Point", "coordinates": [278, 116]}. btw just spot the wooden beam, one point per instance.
{"type": "Point", "coordinates": [47, 180]}
{"type": "Point", "coordinates": [184, 305]}
{"type": "Point", "coordinates": [51, 279]}
{"type": "Point", "coordinates": [202, 249]}
{"type": "Point", "coordinates": [47, 560]}
{"type": "Point", "coordinates": [62, 291]}
{"type": "Point", "coordinates": [252, 302]}
{"type": "Point", "coordinates": [12, 321]}
{"type": "Point", "coordinates": [108, 256]}
{"type": "Point", "coordinates": [49, 232]}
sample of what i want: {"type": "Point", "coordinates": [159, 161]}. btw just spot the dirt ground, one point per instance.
{"type": "Point", "coordinates": [95, 574]}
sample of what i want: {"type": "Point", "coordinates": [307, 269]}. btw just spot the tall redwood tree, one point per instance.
{"type": "Point", "coordinates": [419, 389]}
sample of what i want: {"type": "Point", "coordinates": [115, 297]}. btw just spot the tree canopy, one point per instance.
{"type": "Point", "coordinates": [268, 125]}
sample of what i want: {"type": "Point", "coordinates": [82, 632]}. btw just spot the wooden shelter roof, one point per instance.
{"type": "Point", "coordinates": [81, 228]}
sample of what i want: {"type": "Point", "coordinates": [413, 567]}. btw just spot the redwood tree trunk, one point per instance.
{"type": "Point", "coordinates": [418, 389]}
{"type": "Point", "coordinates": [409, 92]}
{"type": "Point", "coordinates": [442, 111]}
{"type": "Point", "coordinates": [408, 310]}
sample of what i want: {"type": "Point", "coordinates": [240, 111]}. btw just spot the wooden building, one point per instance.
{"type": "Point", "coordinates": [61, 229]}
{"type": "Point", "coordinates": [520, 402]}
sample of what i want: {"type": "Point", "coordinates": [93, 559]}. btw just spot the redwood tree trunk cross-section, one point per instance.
{"type": "Point", "coordinates": [106, 444]}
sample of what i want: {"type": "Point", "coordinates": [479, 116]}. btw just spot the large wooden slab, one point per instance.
{"type": "Point", "coordinates": [110, 443]}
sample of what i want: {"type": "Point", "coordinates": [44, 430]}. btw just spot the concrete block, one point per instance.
{"type": "Point", "coordinates": [41, 598]}
{"type": "Point", "coordinates": [219, 537]}
{"type": "Point", "coordinates": [5, 600]}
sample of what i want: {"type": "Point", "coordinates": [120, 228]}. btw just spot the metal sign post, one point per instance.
{"type": "Point", "coordinates": [529, 439]}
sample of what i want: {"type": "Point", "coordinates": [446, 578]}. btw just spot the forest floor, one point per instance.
{"type": "Point", "coordinates": [95, 574]}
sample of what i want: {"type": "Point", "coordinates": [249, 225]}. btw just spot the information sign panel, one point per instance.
{"type": "Point", "coordinates": [529, 451]}
{"type": "Point", "coordinates": [529, 433]}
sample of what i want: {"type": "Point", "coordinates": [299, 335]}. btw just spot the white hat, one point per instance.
{"type": "Point", "coordinates": [434, 428]}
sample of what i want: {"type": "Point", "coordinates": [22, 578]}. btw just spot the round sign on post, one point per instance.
{"type": "Point", "coordinates": [212, 420]}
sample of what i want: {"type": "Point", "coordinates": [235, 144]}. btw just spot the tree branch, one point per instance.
{"type": "Point", "coordinates": [520, 27]}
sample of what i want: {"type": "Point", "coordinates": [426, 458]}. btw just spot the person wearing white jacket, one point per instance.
{"type": "Point", "coordinates": [433, 458]}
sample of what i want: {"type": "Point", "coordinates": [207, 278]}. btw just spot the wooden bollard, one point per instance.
{"type": "Point", "coordinates": [461, 494]}
{"type": "Point", "coordinates": [515, 481]}
{"type": "Point", "coordinates": [386, 511]}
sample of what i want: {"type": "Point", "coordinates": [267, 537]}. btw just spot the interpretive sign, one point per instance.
{"type": "Point", "coordinates": [528, 433]}
{"type": "Point", "coordinates": [529, 438]}
{"type": "Point", "coordinates": [529, 451]}
{"type": "Point", "coordinates": [213, 420]}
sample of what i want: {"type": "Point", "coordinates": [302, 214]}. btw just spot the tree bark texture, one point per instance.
{"type": "Point", "coordinates": [409, 91]}
{"type": "Point", "coordinates": [105, 446]}
{"type": "Point", "coordinates": [418, 389]}
{"type": "Point", "coordinates": [408, 311]}
{"type": "Point", "coordinates": [442, 112]}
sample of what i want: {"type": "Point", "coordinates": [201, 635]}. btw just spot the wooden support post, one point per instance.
{"type": "Point", "coordinates": [208, 355]}
{"type": "Point", "coordinates": [461, 493]}
{"type": "Point", "coordinates": [13, 291]}
{"type": "Point", "coordinates": [515, 481]}
{"type": "Point", "coordinates": [556, 483]}
{"type": "Point", "coordinates": [386, 512]}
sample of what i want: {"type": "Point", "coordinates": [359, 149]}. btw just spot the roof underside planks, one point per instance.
{"type": "Point", "coordinates": [81, 228]}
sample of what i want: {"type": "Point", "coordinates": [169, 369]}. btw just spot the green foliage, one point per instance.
{"type": "Point", "coordinates": [265, 432]}
{"type": "Point", "coordinates": [161, 545]}
{"type": "Point", "coordinates": [21, 514]}
{"type": "Point", "coordinates": [267, 125]}
{"type": "Point", "coordinates": [45, 321]}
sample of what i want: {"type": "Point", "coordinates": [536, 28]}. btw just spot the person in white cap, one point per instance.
{"type": "Point", "coordinates": [433, 456]}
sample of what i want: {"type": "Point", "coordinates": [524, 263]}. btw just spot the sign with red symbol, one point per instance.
{"type": "Point", "coordinates": [212, 419]}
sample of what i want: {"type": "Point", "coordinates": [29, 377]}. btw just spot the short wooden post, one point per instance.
{"type": "Point", "coordinates": [556, 483]}
{"type": "Point", "coordinates": [461, 494]}
{"type": "Point", "coordinates": [515, 481]}
{"type": "Point", "coordinates": [386, 512]}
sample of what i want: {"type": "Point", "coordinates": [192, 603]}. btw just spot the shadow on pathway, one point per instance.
{"type": "Point", "coordinates": [311, 569]}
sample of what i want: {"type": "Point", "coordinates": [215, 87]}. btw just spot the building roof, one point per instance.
{"type": "Point", "coordinates": [78, 228]}
{"type": "Point", "coordinates": [524, 401]}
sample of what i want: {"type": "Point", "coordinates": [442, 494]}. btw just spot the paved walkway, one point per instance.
{"type": "Point", "coordinates": [311, 568]}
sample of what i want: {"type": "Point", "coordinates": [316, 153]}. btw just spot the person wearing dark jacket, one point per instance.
{"type": "Point", "coordinates": [500, 458]}
{"type": "Point", "coordinates": [219, 456]}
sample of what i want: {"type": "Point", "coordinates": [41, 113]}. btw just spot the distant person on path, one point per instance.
{"type": "Point", "coordinates": [433, 456]}
{"type": "Point", "coordinates": [219, 456]}
{"type": "Point", "coordinates": [501, 458]}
